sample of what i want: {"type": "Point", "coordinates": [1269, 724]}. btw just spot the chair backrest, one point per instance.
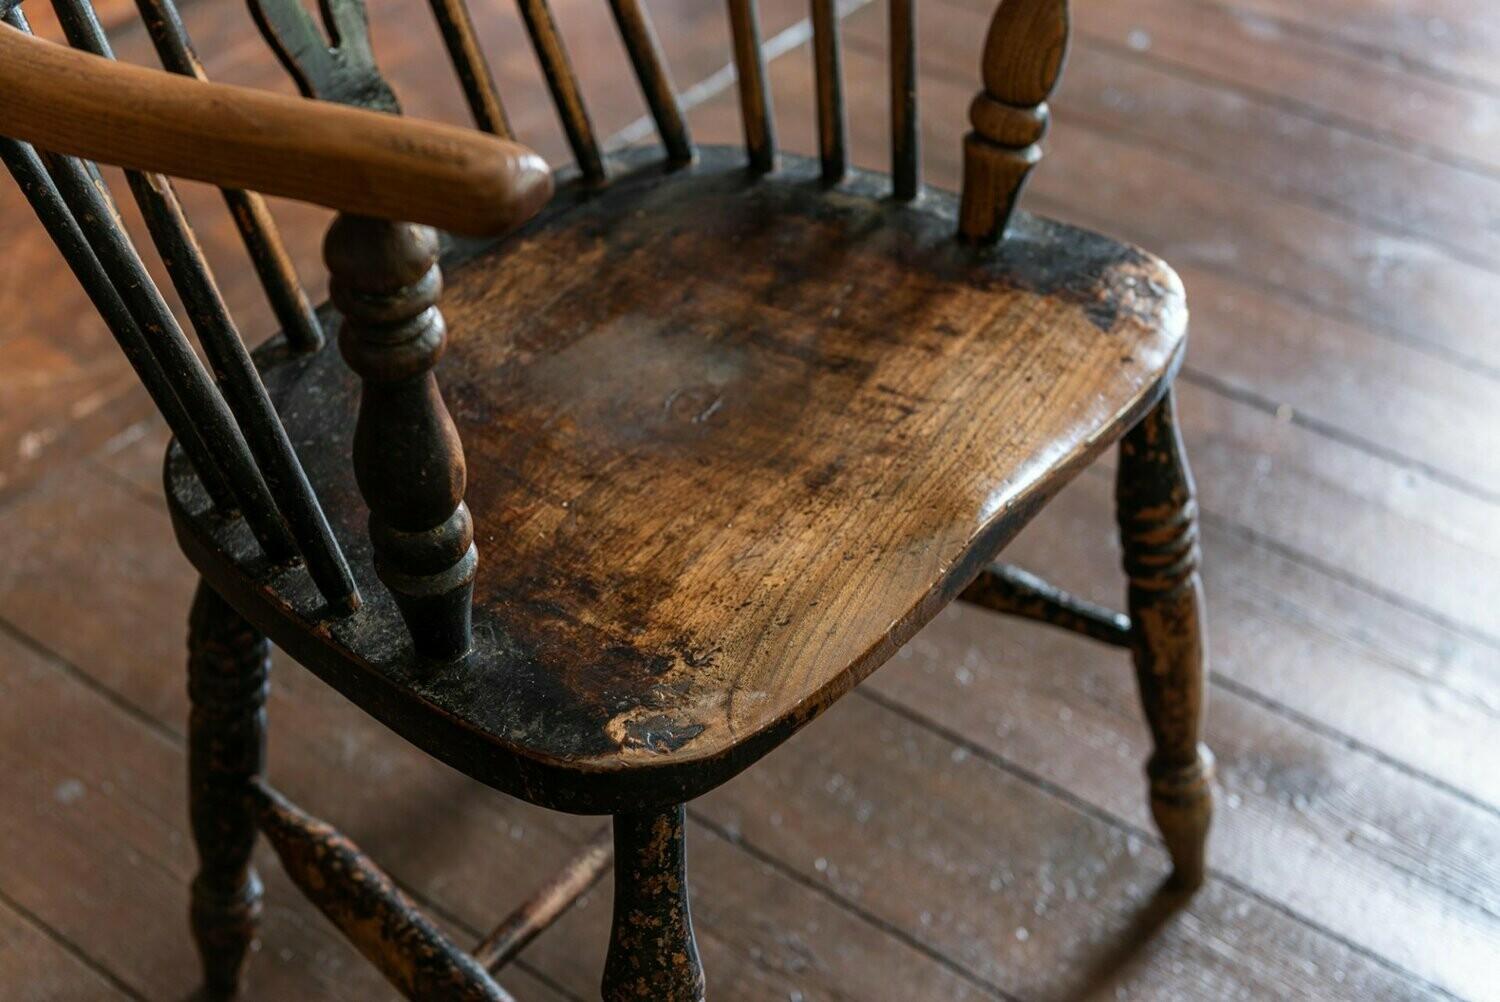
{"type": "Point", "coordinates": [226, 423]}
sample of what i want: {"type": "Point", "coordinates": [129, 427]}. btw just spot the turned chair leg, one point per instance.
{"type": "Point", "coordinates": [228, 666]}
{"type": "Point", "coordinates": [652, 952]}
{"type": "Point", "coordinates": [1159, 532]}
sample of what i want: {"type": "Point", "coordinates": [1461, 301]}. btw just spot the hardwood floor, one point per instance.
{"type": "Point", "coordinates": [972, 823]}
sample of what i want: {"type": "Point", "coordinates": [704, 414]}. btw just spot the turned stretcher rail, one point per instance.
{"type": "Point", "coordinates": [368, 908]}
{"type": "Point", "coordinates": [547, 903]}
{"type": "Point", "coordinates": [1015, 592]}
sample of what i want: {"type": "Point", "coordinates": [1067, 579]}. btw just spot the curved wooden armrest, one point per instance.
{"type": "Point", "coordinates": [350, 159]}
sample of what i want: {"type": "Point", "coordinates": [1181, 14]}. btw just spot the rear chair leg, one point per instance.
{"type": "Point", "coordinates": [1159, 532]}
{"type": "Point", "coordinates": [228, 665]}
{"type": "Point", "coordinates": [652, 953]}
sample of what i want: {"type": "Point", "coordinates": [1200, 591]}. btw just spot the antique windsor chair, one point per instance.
{"type": "Point", "coordinates": [738, 423]}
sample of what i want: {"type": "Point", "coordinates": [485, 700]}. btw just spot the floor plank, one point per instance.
{"type": "Point", "coordinates": [1274, 59]}
{"type": "Point", "coordinates": [1032, 892]}
{"type": "Point", "coordinates": [1449, 39]}
{"type": "Point", "coordinates": [1413, 859]}
{"type": "Point", "coordinates": [38, 968]}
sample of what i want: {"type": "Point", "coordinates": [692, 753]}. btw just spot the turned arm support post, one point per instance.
{"type": "Point", "coordinates": [408, 460]}
{"type": "Point", "coordinates": [1023, 58]}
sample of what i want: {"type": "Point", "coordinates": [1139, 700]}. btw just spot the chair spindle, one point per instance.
{"type": "Point", "coordinates": [833, 126]}
{"type": "Point", "coordinates": [289, 303]}
{"type": "Point", "coordinates": [563, 84]}
{"type": "Point", "coordinates": [473, 69]}
{"type": "Point", "coordinates": [1023, 58]}
{"type": "Point", "coordinates": [906, 140]}
{"type": "Point", "coordinates": [755, 92]}
{"type": "Point", "coordinates": [238, 378]}
{"type": "Point", "coordinates": [202, 419]}
{"type": "Point", "coordinates": [193, 386]}
{"type": "Point", "coordinates": [651, 70]}
{"type": "Point", "coordinates": [25, 165]}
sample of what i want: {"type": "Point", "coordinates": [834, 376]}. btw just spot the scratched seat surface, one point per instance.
{"type": "Point", "coordinates": [730, 442]}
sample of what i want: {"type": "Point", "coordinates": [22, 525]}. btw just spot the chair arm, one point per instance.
{"type": "Point", "coordinates": [357, 161]}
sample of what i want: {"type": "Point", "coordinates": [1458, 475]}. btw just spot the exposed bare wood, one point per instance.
{"type": "Point", "coordinates": [237, 137]}
{"type": "Point", "coordinates": [369, 909]}
{"type": "Point", "coordinates": [732, 604]}
{"type": "Point", "coordinates": [1328, 652]}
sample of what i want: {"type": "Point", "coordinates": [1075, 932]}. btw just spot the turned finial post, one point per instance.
{"type": "Point", "coordinates": [1023, 58]}
{"type": "Point", "coordinates": [408, 461]}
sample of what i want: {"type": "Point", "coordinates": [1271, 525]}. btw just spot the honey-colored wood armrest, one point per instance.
{"type": "Point", "coordinates": [357, 161]}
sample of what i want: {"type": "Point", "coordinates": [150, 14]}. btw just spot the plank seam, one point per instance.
{"type": "Point", "coordinates": [1316, 113]}
{"type": "Point", "coordinates": [1365, 50]}
{"type": "Point", "coordinates": [850, 907]}
{"type": "Point", "coordinates": [68, 946]}
{"type": "Point", "coordinates": [1046, 786]}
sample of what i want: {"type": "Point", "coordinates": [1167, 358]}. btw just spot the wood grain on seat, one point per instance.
{"type": "Point", "coordinates": [730, 441]}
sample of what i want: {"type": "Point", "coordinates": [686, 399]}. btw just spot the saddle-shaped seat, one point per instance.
{"type": "Point", "coordinates": [731, 440]}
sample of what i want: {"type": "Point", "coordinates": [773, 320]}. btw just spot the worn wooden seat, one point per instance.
{"type": "Point", "coordinates": [747, 437]}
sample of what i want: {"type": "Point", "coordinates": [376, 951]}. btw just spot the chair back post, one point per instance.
{"type": "Point", "coordinates": [1023, 59]}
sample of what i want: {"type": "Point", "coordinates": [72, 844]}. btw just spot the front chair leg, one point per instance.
{"type": "Point", "coordinates": [228, 665]}
{"type": "Point", "coordinates": [652, 952]}
{"type": "Point", "coordinates": [1159, 533]}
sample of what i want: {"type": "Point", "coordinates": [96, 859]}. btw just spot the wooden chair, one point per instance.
{"type": "Point", "coordinates": [738, 425]}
